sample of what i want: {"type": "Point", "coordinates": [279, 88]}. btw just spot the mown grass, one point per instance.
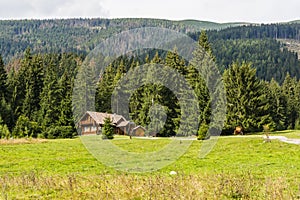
{"type": "Point", "coordinates": [237, 168]}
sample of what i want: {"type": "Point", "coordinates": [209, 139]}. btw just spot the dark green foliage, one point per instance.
{"type": "Point", "coordinates": [3, 80]}
{"type": "Point", "coordinates": [54, 132]}
{"type": "Point", "coordinates": [289, 89]}
{"type": "Point", "coordinates": [40, 94]}
{"type": "Point", "coordinates": [270, 59]}
{"type": "Point", "coordinates": [107, 130]}
{"type": "Point", "coordinates": [258, 45]}
{"type": "Point", "coordinates": [246, 101]}
{"type": "Point", "coordinates": [277, 103]}
{"type": "Point", "coordinates": [26, 128]}
{"type": "Point", "coordinates": [6, 113]}
{"type": "Point", "coordinates": [4, 131]}
{"type": "Point", "coordinates": [36, 93]}
{"type": "Point", "coordinates": [275, 31]}
{"type": "Point", "coordinates": [77, 35]}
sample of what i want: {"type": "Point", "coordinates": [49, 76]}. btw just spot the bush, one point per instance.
{"type": "Point", "coordinates": [297, 124]}
{"type": "Point", "coordinates": [59, 132]}
{"type": "Point", "coordinates": [26, 128]}
{"type": "Point", "coordinates": [202, 132]}
{"type": "Point", "coordinates": [4, 132]}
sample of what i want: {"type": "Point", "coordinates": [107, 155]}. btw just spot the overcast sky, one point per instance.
{"type": "Point", "coordinates": [261, 11]}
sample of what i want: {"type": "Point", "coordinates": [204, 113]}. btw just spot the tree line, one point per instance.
{"type": "Point", "coordinates": [36, 95]}
{"type": "Point", "coordinates": [251, 102]}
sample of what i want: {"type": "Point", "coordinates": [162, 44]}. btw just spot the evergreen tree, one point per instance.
{"type": "Point", "coordinates": [277, 102]}
{"type": "Point", "coordinates": [108, 129]}
{"type": "Point", "coordinates": [65, 106]}
{"type": "Point", "coordinates": [20, 84]}
{"type": "Point", "coordinates": [3, 80]}
{"type": "Point", "coordinates": [104, 90]}
{"type": "Point", "coordinates": [292, 100]}
{"type": "Point", "coordinates": [5, 108]}
{"type": "Point", "coordinates": [204, 43]}
{"type": "Point", "coordinates": [246, 101]}
{"type": "Point", "coordinates": [50, 97]}
{"type": "Point", "coordinates": [34, 86]}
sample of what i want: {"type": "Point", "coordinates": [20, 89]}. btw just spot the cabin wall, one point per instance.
{"type": "Point", "coordinates": [88, 126]}
{"type": "Point", "coordinates": [139, 132]}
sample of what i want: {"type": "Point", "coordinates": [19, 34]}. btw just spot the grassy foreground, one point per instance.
{"type": "Point", "coordinates": [237, 168]}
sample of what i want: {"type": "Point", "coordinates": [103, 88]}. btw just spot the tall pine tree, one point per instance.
{"type": "Point", "coordinates": [246, 100]}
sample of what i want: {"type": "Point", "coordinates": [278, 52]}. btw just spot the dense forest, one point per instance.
{"type": "Point", "coordinates": [258, 45]}
{"type": "Point", "coordinates": [40, 60]}
{"type": "Point", "coordinates": [78, 35]}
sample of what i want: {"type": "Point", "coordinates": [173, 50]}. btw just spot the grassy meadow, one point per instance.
{"type": "Point", "coordinates": [239, 167]}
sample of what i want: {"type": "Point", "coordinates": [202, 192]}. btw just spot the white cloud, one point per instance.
{"type": "Point", "coordinates": [14, 9]}
{"type": "Point", "coordinates": [212, 10]}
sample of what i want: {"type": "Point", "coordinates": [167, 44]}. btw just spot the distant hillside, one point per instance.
{"type": "Point", "coordinates": [259, 45]}
{"type": "Point", "coordinates": [292, 45]}
{"type": "Point", "coordinates": [230, 41]}
{"type": "Point", "coordinates": [79, 35]}
{"type": "Point", "coordinates": [210, 25]}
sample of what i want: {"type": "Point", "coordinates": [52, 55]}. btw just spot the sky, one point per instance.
{"type": "Point", "coordinates": [256, 11]}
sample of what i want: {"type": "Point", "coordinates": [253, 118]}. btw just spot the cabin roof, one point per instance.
{"type": "Point", "coordinates": [100, 117]}
{"type": "Point", "coordinates": [139, 126]}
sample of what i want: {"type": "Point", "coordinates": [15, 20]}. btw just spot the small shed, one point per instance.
{"type": "Point", "coordinates": [138, 131]}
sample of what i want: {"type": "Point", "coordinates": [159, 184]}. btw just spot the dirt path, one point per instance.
{"type": "Point", "coordinates": [285, 139]}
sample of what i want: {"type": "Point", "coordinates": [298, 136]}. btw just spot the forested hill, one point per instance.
{"type": "Point", "coordinates": [79, 35]}
{"type": "Point", "coordinates": [230, 42]}
{"type": "Point", "coordinates": [267, 47]}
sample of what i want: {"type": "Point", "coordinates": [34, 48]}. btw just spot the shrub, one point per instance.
{"type": "Point", "coordinates": [203, 132]}
{"type": "Point", "coordinates": [297, 124]}
{"type": "Point", "coordinates": [108, 130]}
{"type": "Point", "coordinates": [4, 131]}
{"type": "Point", "coordinates": [26, 128]}
{"type": "Point", "coordinates": [59, 132]}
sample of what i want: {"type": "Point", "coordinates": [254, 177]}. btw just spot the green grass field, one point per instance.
{"type": "Point", "coordinates": [237, 168]}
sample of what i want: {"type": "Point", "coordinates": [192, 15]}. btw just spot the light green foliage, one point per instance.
{"type": "Point", "coordinates": [244, 167]}
{"type": "Point", "coordinates": [203, 132]}
{"type": "Point", "coordinates": [4, 131]}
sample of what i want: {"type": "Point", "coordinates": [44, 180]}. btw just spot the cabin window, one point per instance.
{"type": "Point", "coordinates": [87, 129]}
{"type": "Point", "coordinates": [94, 128]}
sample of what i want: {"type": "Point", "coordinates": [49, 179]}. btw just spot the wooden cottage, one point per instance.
{"type": "Point", "coordinates": [92, 123]}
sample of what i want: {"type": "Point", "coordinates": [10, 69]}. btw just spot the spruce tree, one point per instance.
{"type": "Point", "coordinates": [277, 102]}
{"type": "Point", "coordinates": [3, 80]}
{"type": "Point", "coordinates": [204, 43]}
{"type": "Point", "coordinates": [104, 90]}
{"type": "Point", "coordinates": [292, 100]}
{"type": "Point", "coordinates": [108, 129]}
{"type": "Point", "coordinates": [246, 101]}
{"type": "Point", "coordinates": [50, 97]}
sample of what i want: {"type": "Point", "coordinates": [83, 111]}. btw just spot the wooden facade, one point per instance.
{"type": "Point", "coordinates": [93, 122]}
{"type": "Point", "coordinates": [89, 126]}
{"type": "Point", "coordinates": [138, 131]}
